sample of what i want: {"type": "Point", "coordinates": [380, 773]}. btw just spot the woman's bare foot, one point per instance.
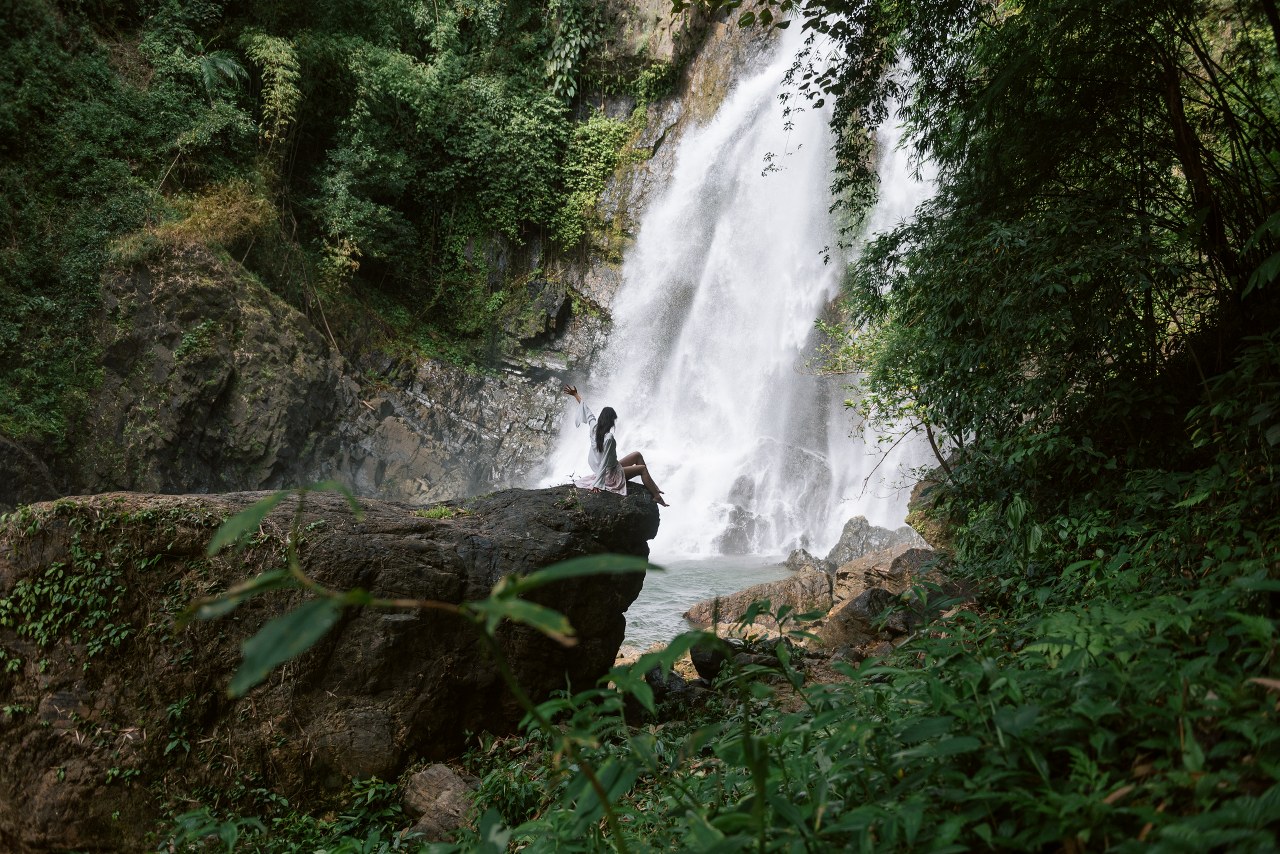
{"type": "Point", "coordinates": [658, 498]}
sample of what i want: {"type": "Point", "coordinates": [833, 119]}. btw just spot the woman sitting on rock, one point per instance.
{"type": "Point", "coordinates": [610, 472]}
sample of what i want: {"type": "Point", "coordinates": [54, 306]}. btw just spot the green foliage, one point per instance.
{"type": "Point", "coordinates": [579, 26]}
{"type": "Point", "coordinates": [353, 155]}
{"type": "Point", "coordinates": [195, 340]}
{"type": "Point", "coordinates": [657, 81]}
{"type": "Point", "coordinates": [1121, 699]}
{"type": "Point", "coordinates": [1095, 725]}
{"type": "Point", "coordinates": [441, 511]}
{"type": "Point", "coordinates": [300, 628]}
{"type": "Point", "coordinates": [77, 602]}
{"type": "Point", "coordinates": [593, 155]}
{"type": "Point", "coordinates": [1080, 321]}
{"type": "Point", "coordinates": [277, 60]}
{"type": "Point", "coordinates": [368, 824]}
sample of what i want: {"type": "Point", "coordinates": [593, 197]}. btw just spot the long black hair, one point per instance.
{"type": "Point", "coordinates": [603, 425]}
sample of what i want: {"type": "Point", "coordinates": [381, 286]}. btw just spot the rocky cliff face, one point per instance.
{"type": "Point", "coordinates": [108, 711]}
{"type": "Point", "coordinates": [211, 383]}
{"type": "Point", "coordinates": [439, 431]}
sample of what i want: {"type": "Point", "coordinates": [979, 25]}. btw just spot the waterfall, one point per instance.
{"type": "Point", "coordinates": [705, 362]}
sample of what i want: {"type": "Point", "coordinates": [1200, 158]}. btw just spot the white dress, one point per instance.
{"type": "Point", "coordinates": [606, 473]}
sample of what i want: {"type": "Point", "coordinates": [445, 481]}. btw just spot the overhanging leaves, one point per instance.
{"type": "Point", "coordinates": [281, 639]}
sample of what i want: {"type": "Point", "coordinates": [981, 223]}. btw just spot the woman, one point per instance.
{"type": "Point", "coordinates": [610, 472]}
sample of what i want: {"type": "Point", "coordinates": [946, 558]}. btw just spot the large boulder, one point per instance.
{"type": "Point", "coordinates": [905, 576]}
{"type": "Point", "coordinates": [860, 537]}
{"type": "Point", "coordinates": [801, 559]}
{"type": "Point", "coordinates": [858, 622]}
{"type": "Point", "coordinates": [895, 569]}
{"type": "Point", "coordinates": [923, 513]}
{"type": "Point", "coordinates": [439, 800]}
{"type": "Point", "coordinates": [110, 712]}
{"type": "Point", "coordinates": [212, 383]}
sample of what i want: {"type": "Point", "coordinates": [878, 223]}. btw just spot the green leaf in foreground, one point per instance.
{"type": "Point", "coordinates": [281, 639]}
{"type": "Point", "coordinates": [245, 522]}
{"type": "Point", "coordinates": [578, 567]}
{"type": "Point", "coordinates": [551, 623]}
{"type": "Point", "coordinates": [228, 600]}
{"type": "Point", "coordinates": [341, 489]}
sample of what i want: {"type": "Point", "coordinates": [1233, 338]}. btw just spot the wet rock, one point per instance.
{"type": "Point", "coordinates": [666, 686]}
{"type": "Point", "coordinates": [896, 569]}
{"type": "Point", "coordinates": [801, 559]}
{"type": "Point", "coordinates": [439, 431]}
{"type": "Point", "coordinates": [381, 689]}
{"type": "Point", "coordinates": [851, 654]}
{"type": "Point", "coordinates": [884, 649]}
{"type": "Point", "coordinates": [210, 382]}
{"type": "Point", "coordinates": [709, 657]}
{"type": "Point", "coordinates": [922, 510]}
{"type": "Point", "coordinates": [439, 800]}
{"type": "Point", "coordinates": [741, 530]}
{"type": "Point", "coordinates": [547, 315]}
{"type": "Point", "coordinates": [910, 564]}
{"type": "Point", "coordinates": [860, 537]}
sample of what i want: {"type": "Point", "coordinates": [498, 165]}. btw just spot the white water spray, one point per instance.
{"type": "Point", "coordinates": [705, 361]}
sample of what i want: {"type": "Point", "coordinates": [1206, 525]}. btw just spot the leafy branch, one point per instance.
{"type": "Point", "coordinates": [293, 633]}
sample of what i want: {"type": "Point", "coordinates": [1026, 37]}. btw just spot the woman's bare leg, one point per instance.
{"type": "Point", "coordinates": [633, 470]}
{"type": "Point", "coordinates": [635, 458]}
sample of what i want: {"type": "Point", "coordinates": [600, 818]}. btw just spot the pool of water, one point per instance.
{"type": "Point", "coordinates": [655, 616]}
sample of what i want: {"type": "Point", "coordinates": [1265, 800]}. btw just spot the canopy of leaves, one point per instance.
{"type": "Point", "coordinates": [400, 148]}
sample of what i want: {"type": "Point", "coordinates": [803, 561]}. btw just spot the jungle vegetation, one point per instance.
{"type": "Point", "coordinates": [1082, 319]}
{"type": "Point", "coordinates": [379, 163]}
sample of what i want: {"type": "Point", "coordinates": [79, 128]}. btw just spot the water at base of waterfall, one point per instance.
{"type": "Point", "coordinates": [655, 615]}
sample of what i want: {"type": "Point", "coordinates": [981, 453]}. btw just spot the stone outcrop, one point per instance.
{"type": "Point", "coordinates": [894, 568]}
{"type": "Point", "coordinates": [899, 576]}
{"type": "Point", "coordinates": [891, 585]}
{"type": "Point", "coordinates": [806, 590]}
{"type": "Point", "coordinates": [24, 478]}
{"type": "Point", "coordinates": [922, 510]}
{"type": "Point", "coordinates": [109, 710]}
{"type": "Point", "coordinates": [210, 383]}
{"type": "Point", "coordinates": [801, 559]}
{"type": "Point", "coordinates": [860, 537]}
{"type": "Point", "coordinates": [857, 623]}
{"type": "Point", "coordinates": [444, 432]}
{"type": "Point", "coordinates": [438, 800]}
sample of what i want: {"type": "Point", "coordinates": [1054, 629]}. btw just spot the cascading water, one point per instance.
{"type": "Point", "coordinates": [705, 360]}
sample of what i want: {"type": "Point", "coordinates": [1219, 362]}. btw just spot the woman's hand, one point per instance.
{"type": "Point", "coordinates": [570, 390]}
